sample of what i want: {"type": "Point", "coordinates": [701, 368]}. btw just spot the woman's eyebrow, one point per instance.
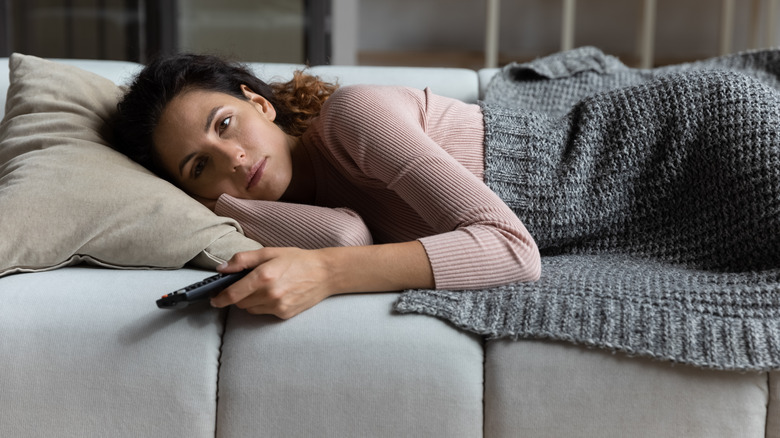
{"type": "Point", "coordinates": [210, 118]}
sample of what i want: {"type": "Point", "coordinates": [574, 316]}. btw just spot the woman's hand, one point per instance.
{"type": "Point", "coordinates": [284, 281]}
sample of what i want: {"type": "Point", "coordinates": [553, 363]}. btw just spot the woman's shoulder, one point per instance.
{"type": "Point", "coordinates": [363, 97]}
{"type": "Point", "coordinates": [375, 90]}
{"type": "Point", "coordinates": [359, 110]}
{"type": "Point", "coordinates": [359, 120]}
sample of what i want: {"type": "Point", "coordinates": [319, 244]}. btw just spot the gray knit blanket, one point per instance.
{"type": "Point", "coordinates": [654, 197]}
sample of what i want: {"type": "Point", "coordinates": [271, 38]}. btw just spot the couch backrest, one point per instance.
{"type": "Point", "coordinates": [118, 71]}
{"type": "Point", "coordinates": [463, 84]}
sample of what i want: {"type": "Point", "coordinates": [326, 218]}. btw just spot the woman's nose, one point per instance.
{"type": "Point", "coordinates": [238, 157]}
{"type": "Point", "coordinates": [234, 156]}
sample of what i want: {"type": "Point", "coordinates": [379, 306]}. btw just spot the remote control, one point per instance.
{"type": "Point", "coordinates": [202, 290]}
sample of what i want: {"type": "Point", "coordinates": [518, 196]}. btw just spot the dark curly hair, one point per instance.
{"type": "Point", "coordinates": [138, 112]}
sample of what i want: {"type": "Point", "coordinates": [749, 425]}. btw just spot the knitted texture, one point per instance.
{"type": "Point", "coordinates": [554, 84]}
{"type": "Point", "coordinates": [655, 201]}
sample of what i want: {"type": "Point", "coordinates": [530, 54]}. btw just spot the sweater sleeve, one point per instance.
{"type": "Point", "coordinates": [479, 241]}
{"type": "Point", "coordinates": [303, 226]}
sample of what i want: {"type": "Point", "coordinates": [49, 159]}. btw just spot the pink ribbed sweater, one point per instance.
{"type": "Point", "coordinates": [408, 163]}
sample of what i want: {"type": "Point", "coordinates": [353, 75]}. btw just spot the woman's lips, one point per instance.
{"type": "Point", "coordinates": [255, 173]}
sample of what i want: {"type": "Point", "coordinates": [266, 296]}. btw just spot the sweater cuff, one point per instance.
{"type": "Point", "coordinates": [472, 259]}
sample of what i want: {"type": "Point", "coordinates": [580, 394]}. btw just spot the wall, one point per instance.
{"type": "Point", "coordinates": [268, 30]}
{"type": "Point", "coordinates": [686, 29]}
{"type": "Point", "coordinates": [388, 32]}
{"type": "Point", "coordinates": [40, 28]}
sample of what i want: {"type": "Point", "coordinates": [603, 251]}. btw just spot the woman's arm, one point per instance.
{"type": "Point", "coordinates": [406, 140]}
{"type": "Point", "coordinates": [286, 281]}
{"type": "Point", "coordinates": [294, 225]}
{"type": "Point", "coordinates": [478, 240]}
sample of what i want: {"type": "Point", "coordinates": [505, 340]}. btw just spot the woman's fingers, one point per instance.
{"type": "Point", "coordinates": [245, 287]}
{"type": "Point", "coordinates": [244, 260]}
{"type": "Point", "coordinates": [263, 298]}
{"type": "Point", "coordinates": [283, 282]}
{"type": "Point", "coordinates": [235, 293]}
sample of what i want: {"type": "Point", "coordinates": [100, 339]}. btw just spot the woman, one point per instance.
{"type": "Point", "coordinates": [408, 162]}
{"type": "Point", "coordinates": [680, 170]}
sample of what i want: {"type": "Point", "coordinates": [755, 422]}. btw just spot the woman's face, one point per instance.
{"type": "Point", "coordinates": [213, 143]}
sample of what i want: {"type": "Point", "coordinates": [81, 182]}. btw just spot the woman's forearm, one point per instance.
{"type": "Point", "coordinates": [376, 268]}
{"type": "Point", "coordinates": [287, 281]}
{"type": "Point", "coordinates": [303, 226]}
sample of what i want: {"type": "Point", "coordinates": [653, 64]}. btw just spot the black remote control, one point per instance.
{"type": "Point", "coordinates": [202, 290]}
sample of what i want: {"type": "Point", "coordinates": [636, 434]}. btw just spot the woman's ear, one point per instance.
{"type": "Point", "coordinates": [261, 103]}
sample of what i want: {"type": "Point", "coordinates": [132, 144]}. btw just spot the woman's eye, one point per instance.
{"type": "Point", "coordinates": [199, 166]}
{"type": "Point", "coordinates": [224, 124]}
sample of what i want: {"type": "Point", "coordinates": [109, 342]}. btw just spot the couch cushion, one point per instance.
{"type": "Point", "coordinates": [67, 197]}
{"type": "Point", "coordinates": [485, 76]}
{"type": "Point", "coordinates": [458, 83]}
{"type": "Point", "coordinates": [84, 352]}
{"type": "Point", "coordinates": [551, 389]}
{"type": "Point", "coordinates": [349, 367]}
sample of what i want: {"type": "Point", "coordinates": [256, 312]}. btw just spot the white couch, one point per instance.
{"type": "Point", "coordinates": [84, 352]}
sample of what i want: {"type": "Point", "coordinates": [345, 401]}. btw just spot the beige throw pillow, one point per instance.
{"type": "Point", "coordinates": [66, 197]}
